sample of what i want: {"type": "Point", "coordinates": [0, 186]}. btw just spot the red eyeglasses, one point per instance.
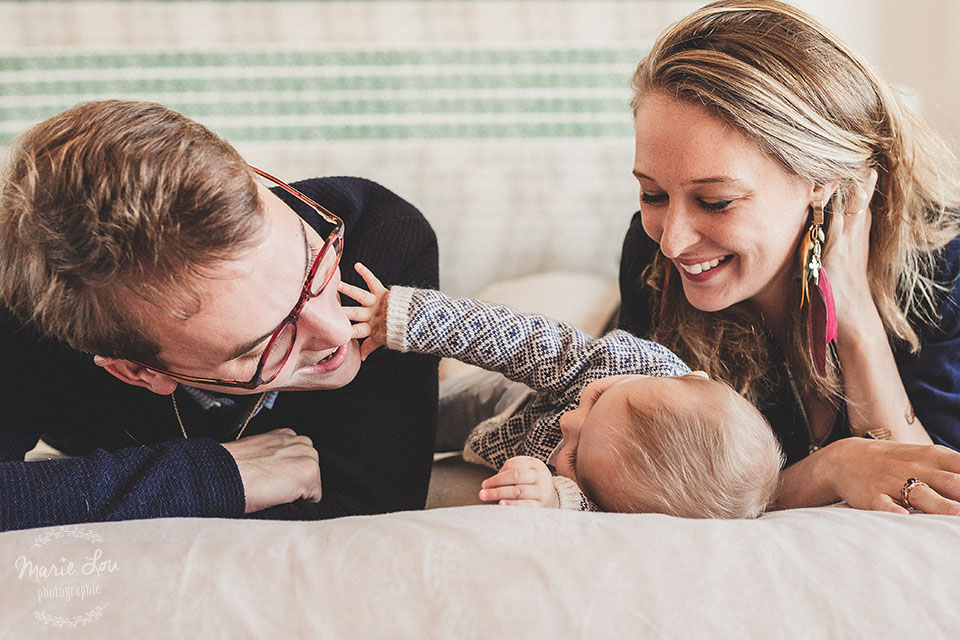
{"type": "Point", "coordinates": [281, 342]}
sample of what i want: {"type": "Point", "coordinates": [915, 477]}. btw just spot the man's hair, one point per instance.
{"type": "Point", "coordinates": [820, 110]}
{"type": "Point", "coordinates": [693, 461]}
{"type": "Point", "coordinates": [113, 203]}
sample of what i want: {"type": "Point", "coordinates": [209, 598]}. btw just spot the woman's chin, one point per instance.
{"type": "Point", "coordinates": [707, 303]}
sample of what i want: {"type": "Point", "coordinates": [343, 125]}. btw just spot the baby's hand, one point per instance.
{"type": "Point", "coordinates": [370, 319]}
{"type": "Point", "coordinates": [522, 481]}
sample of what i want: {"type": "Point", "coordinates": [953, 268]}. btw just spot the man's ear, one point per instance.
{"type": "Point", "coordinates": [137, 375]}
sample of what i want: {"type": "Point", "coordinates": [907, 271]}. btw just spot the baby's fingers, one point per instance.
{"type": "Point", "coordinates": [359, 314]}
{"type": "Point", "coordinates": [510, 492]}
{"type": "Point", "coordinates": [366, 298]}
{"type": "Point", "coordinates": [521, 503]}
{"type": "Point", "coordinates": [514, 475]}
{"type": "Point", "coordinates": [360, 330]}
{"type": "Point", "coordinates": [373, 283]}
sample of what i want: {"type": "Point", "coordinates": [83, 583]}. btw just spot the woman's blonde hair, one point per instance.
{"type": "Point", "coordinates": [116, 201]}
{"type": "Point", "coordinates": [817, 107]}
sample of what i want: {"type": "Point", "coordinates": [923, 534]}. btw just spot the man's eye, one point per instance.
{"type": "Point", "coordinates": [653, 198]}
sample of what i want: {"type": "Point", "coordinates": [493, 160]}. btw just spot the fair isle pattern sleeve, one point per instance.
{"type": "Point", "coordinates": [570, 496]}
{"type": "Point", "coordinates": [542, 353]}
{"type": "Point", "coordinates": [554, 358]}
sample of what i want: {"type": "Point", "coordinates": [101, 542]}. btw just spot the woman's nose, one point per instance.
{"type": "Point", "coordinates": [677, 232]}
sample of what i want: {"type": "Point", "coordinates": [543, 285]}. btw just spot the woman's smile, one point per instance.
{"type": "Point", "coordinates": [701, 270]}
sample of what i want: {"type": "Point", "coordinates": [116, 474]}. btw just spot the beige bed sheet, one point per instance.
{"type": "Point", "coordinates": [500, 572]}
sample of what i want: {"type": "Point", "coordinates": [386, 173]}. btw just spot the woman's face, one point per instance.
{"type": "Point", "coordinates": [727, 215]}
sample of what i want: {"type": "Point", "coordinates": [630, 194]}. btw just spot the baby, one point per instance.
{"type": "Point", "coordinates": [624, 422]}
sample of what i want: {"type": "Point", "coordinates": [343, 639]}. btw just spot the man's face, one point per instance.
{"type": "Point", "coordinates": [244, 300]}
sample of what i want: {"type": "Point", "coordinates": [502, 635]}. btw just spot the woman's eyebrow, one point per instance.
{"type": "Point", "coordinates": [715, 179]}
{"type": "Point", "coordinates": [709, 180]}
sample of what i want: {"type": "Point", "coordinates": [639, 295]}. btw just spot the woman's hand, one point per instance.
{"type": "Point", "coordinates": [874, 393]}
{"type": "Point", "coordinates": [522, 481]}
{"type": "Point", "coordinates": [845, 260]}
{"type": "Point", "coordinates": [869, 474]}
{"type": "Point", "coordinates": [370, 319]}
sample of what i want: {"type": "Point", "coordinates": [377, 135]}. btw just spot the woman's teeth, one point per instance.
{"type": "Point", "coordinates": [702, 266]}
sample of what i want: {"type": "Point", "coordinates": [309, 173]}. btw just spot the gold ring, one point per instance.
{"type": "Point", "coordinates": [853, 213]}
{"type": "Point", "coordinates": [908, 486]}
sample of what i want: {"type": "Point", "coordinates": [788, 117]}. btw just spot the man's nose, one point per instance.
{"type": "Point", "coordinates": [323, 324]}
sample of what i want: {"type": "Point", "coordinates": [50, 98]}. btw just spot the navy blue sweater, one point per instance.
{"type": "Point", "coordinates": [374, 436]}
{"type": "Point", "coordinates": [931, 378]}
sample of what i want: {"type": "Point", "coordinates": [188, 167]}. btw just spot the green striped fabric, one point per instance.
{"type": "Point", "coordinates": [310, 95]}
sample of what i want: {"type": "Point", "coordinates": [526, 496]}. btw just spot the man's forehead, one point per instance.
{"type": "Point", "coordinates": [244, 299]}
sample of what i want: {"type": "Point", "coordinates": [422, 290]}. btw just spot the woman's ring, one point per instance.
{"type": "Point", "coordinates": [853, 213]}
{"type": "Point", "coordinates": [908, 486]}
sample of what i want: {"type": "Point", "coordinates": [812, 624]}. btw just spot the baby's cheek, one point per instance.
{"type": "Point", "coordinates": [563, 466]}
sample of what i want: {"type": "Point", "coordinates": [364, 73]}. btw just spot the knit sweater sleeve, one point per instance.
{"type": "Point", "coordinates": [542, 353]}
{"type": "Point", "coordinates": [570, 495]}
{"type": "Point", "coordinates": [195, 477]}
{"type": "Point", "coordinates": [44, 385]}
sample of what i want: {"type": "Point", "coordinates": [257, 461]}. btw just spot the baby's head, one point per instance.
{"type": "Point", "coordinates": [685, 446]}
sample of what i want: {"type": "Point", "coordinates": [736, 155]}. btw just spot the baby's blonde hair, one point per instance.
{"type": "Point", "coordinates": [684, 461]}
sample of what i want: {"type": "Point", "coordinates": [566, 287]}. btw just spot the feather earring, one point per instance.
{"type": "Point", "coordinates": [818, 297]}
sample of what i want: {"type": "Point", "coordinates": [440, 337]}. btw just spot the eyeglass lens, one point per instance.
{"type": "Point", "coordinates": [278, 352]}
{"type": "Point", "coordinates": [328, 264]}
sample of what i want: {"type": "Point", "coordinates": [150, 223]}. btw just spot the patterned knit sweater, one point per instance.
{"type": "Point", "coordinates": [557, 360]}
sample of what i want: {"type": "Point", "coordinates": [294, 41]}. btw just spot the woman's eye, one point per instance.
{"type": "Point", "coordinates": [653, 198]}
{"type": "Point", "coordinates": [719, 205]}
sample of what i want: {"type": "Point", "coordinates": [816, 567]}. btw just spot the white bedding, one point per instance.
{"type": "Point", "coordinates": [499, 572]}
